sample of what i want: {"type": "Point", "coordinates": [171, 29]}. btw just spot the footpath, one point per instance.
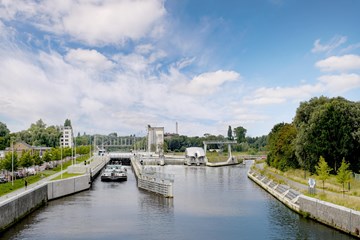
{"type": "Point", "coordinates": [285, 190]}
{"type": "Point", "coordinates": [300, 186]}
{"type": "Point", "coordinates": [94, 163]}
{"type": "Point", "coordinates": [30, 186]}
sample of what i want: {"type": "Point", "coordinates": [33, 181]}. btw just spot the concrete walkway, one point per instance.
{"type": "Point", "coordinates": [29, 187]}
{"type": "Point", "coordinates": [94, 163]}
{"type": "Point", "coordinates": [303, 187]}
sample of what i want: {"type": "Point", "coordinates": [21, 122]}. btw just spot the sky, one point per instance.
{"type": "Point", "coordinates": [120, 65]}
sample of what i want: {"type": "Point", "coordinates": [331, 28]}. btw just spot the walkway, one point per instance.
{"type": "Point", "coordinates": [302, 187]}
{"type": "Point", "coordinates": [94, 164]}
{"type": "Point", "coordinates": [29, 187]}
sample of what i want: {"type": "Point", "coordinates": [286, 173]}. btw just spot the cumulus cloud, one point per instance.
{"type": "Point", "coordinates": [327, 84]}
{"type": "Point", "coordinates": [88, 59]}
{"type": "Point", "coordinates": [208, 83]}
{"type": "Point", "coordinates": [92, 22]}
{"type": "Point", "coordinates": [339, 63]}
{"type": "Point", "coordinates": [330, 46]}
{"type": "Point", "coordinates": [340, 84]}
{"type": "Point", "coordinates": [276, 95]}
{"type": "Point", "coordinates": [30, 94]}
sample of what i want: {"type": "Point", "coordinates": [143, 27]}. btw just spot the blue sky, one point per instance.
{"type": "Point", "coordinates": [119, 65]}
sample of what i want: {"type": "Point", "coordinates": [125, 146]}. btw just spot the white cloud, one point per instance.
{"type": "Point", "coordinates": [264, 96]}
{"type": "Point", "coordinates": [144, 48]}
{"type": "Point", "coordinates": [330, 46]}
{"type": "Point", "coordinates": [340, 84]}
{"type": "Point", "coordinates": [327, 84]}
{"type": "Point", "coordinates": [342, 63]}
{"type": "Point", "coordinates": [30, 95]}
{"type": "Point", "coordinates": [208, 83]}
{"type": "Point", "coordinates": [90, 105]}
{"type": "Point", "coordinates": [350, 48]}
{"type": "Point", "coordinates": [88, 59]}
{"type": "Point", "coordinates": [92, 22]}
{"type": "Point", "coordinates": [185, 62]}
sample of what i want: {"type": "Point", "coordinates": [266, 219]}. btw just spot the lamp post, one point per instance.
{"type": "Point", "coordinates": [61, 155]}
{"type": "Point", "coordinates": [75, 149]}
{"type": "Point", "coordinates": [12, 162]}
{"type": "Point", "coordinates": [61, 160]}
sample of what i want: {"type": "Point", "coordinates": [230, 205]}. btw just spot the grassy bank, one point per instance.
{"type": "Point", "coordinates": [215, 157]}
{"type": "Point", "coordinates": [66, 175]}
{"type": "Point", "coordinates": [6, 188]}
{"type": "Point", "coordinates": [332, 192]}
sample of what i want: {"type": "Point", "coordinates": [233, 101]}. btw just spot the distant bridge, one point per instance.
{"type": "Point", "coordinates": [106, 142]}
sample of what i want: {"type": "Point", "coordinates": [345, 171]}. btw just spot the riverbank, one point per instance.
{"type": "Point", "coordinates": [339, 217]}
{"type": "Point", "coordinates": [18, 204]}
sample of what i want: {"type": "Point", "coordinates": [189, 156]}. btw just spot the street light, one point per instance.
{"type": "Point", "coordinates": [61, 144]}
{"type": "Point", "coordinates": [61, 160]}
{"type": "Point", "coordinates": [12, 162]}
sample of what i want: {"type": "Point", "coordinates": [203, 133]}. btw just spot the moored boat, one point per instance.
{"type": "Point", "coordinates": [114, 173]}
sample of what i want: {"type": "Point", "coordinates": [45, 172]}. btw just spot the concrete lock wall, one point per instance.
{"type": "Point", "coordinates": [337, 216]}
{"type": "Point", "coordinates": [19, 206]}
{"type": "Point", "coordinates": [333, 215]}
{"type": "Point", "coordinates": [60, 188]}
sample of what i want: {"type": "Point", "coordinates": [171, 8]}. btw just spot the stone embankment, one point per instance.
{"type": "Point", "coordinates": [17, 205]}
{"type": "Point", "coordinates": [339, 217]}
{"type": "Point", "coordinates": [150, 180]}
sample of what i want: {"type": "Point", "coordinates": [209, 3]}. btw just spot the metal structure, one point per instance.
{"type": "Point", "coordinates": [219, 142]}
{"type": "Point", "coordinates": [108, 143]}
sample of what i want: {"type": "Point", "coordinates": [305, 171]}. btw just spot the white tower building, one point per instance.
{"type": "Point", "coordinates": [66, 139]}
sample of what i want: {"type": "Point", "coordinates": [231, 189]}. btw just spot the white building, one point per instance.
{"type": "Point", "coordinates": [155, 139]}
{"type": "Point", "coordinates": [195, 155]}
{"type": "Point", "coordinates": [66, 139]}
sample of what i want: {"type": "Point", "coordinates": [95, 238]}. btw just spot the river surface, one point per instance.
{"type": "Point", "coordinates": [209, 203]}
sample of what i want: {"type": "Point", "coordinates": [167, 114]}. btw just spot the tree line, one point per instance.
{"type": "Point", "coordinates": [243, 143]}
{"type": "Point", "coordinates": [322, 127]}
{"type": "Point", "coordinates": [39, 134]}
{"type": "Point", "coordinates": [33, 158]}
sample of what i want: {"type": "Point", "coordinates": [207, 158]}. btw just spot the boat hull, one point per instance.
{"type": "Point", "coordinates": [113, 178]}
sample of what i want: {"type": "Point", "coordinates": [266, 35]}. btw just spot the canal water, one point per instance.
{"type": "Point", "coordinates": [209, 203]}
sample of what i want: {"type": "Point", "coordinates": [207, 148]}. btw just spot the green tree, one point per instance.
{"type": "Point", "coordinates": [257, 143]}
{"type": "Point", "coordinates": [329, 128]}
{"type": "Point", "coordinates": [47, 156]}
{"type": "Point", "coordinates": [230, 134]}
{"type": "Point", "coordinates": [343, 174]}
{"type": "Point", "coordinates": [240, 134]}
{"type": "Point", "coordinates": [4, 136]}
{"type": "Point", "coordinates": [37, 160]}
{"type": "Point", "coordinates": [26, 160]}
{"type": "Point", "coordinates": [40, 135]}
{"type": "Point", "coordinates": [55, 154]}
{"type": "Point", "coordinates": [281, 147]}
{"type": "Point", "coordinates": [7, 161]}
{"type": "Point", "coordinates": [323, 170]}
{"type": "Point", "coordinates": [67, 123]}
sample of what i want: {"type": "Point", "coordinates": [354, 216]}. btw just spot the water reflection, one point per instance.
{"type": "Point", "coordinates": [209, 203]}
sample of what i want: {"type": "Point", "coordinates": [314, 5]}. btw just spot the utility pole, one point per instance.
{"type": "Point", "coordinates": [12, 162]}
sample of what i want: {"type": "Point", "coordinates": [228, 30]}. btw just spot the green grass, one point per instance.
{"type": "Point", "coordinates": [214, 157]}
{"type": "Point", "coordinates": [6, 188]}
{"type": "Point", "coordinates": [66, 175]}
{"type": "Point", "coordinates": [350, 198]}
{"type": "Point", "coordinates": [346, 201]}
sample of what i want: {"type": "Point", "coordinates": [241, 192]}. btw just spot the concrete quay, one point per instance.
{"type": "Point", "coordinates": [231, 161]}
{"type": "Point", "coordinates": [335, 216]}
{"type": "Point", "coordinates": [148, 179]}
{"type": "Point", "coordinates": [18, 204]}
